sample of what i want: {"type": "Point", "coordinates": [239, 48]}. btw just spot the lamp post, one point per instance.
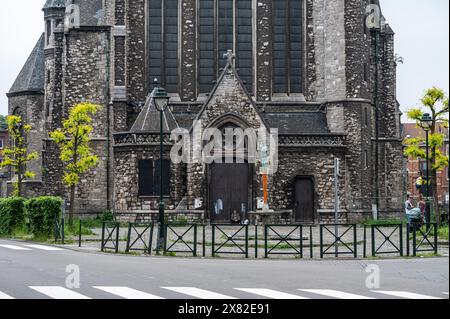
{"type": "Point", "coordinates": [161, 101]}
{"type": "Point", "coordinates": [427, 122]}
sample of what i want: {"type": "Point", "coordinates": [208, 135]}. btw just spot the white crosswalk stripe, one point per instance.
{"type": "Point", "coordinates": [445, 293]}
{"type": "Point", "coordinates": [198, 293]}
{"type": "Point", "coordinates": [128, 293]}
{"type": "Point", "coordinates": [405, 294]}
{"type": "Point", "coordinates": [59, 293]}
{"type": "Point", "coordinates": [47, 248]}
{"type": "Point", "coordinates": [269, 293]}
{"type": "Point", "coordinates": [14, 247]}
{"type": "Point", "coordinates": [4, 296]}
{"type": "Point", "coordinates": [335, 294]}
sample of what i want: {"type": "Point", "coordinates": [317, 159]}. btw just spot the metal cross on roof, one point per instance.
{"type": "Point", "coordinates": [230, 56]}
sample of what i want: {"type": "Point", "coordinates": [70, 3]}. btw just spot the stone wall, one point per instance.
{"type": "Point", "coordinates": [30, 108]}
{"type": "Point", "coordinates": [315, 163]}
{"type": "Point", "coordinates": [126, 180]}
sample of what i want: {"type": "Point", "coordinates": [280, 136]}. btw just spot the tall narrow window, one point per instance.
{"type": "Point", "coordinates": [48, 32]}
{"type": "Point", "coordinates": [163, 43]}
{"type": "Point", "coordinates": [287, 46]}
{"type": "Point", "coordinates": [224, 25]}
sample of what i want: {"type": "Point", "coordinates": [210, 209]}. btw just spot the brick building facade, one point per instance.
{"type": "Point", "coordinates": [312, 69]}
{"type": "Point", "coordinates": [415, 167]}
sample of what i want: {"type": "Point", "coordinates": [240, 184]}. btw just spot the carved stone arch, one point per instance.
{"type": "Point", "coordinates": [230, 118]}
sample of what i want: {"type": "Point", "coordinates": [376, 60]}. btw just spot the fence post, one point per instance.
{"type": "Point", "coordinates": [408, 253]}
{"type": "Point", "coordinates": [321, 241]}
{"type": "Point", "coordinates": [195, 240]}
{"type": "Point", "coordinates": [128, 238]}
{"type": "Point", "coordinates": [166, 232]}
{"type": "Point", "coordinates": [414, 241]}
{"type": "Point", "coordinates": [246, 241]}
{"type": "Point", "coordinates": [373, 228]}
{"type": "Point", "coordinates": [79, 234]}
{"type": "Point", "coordinates": [436, 239]}
{"type": "Point", "coordinates": [62, 231]}
{"type": "Point", "coordinates": [150, 244]}
{"type": "Point", "coordinates": [365, 242]}
{"type": "Point", "coordinates": [117, 237]}
{"type": "Point", "coordinates": [355, 240]}
{"type": "Point", "coordinates": [301, 242]}
{"type": "Point", "coordinates": [401, 240]}
{"type": "Point", "coordinates": [213, 248]}
{"type": "Point", "coordinates": [204, 240]}
{"type": "Point", "coordinates": [266, 243]}
{"type": "Point", "coordinates": [311, 248]}
{"type": "Point", "coordinates": [256, 241]}
{"type": "Point", "coordinates": [103, 237]}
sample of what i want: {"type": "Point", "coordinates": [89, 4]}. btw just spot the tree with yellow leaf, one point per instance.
{"type": "Point", "coordinates": [17, 157]}
{"type": "Point", "coordinates": [73, 140]}
{"type": "Point", "coordinates": [435, 103]}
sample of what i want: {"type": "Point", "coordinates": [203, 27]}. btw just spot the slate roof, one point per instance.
{"type": "Point", "coordinates": [148, 120]}
{"type": "Point", "coordinates": [32, 76]}
{"type": "Point", "coordinates": [54, 4]}
{"type": "Point", "coordinates": [298, 123]}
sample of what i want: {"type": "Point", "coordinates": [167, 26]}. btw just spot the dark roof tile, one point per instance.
{"type": "Point", "coordinates": [32, 76]}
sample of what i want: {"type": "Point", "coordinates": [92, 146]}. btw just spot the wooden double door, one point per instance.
{"type": "Point", "coordinates": [229, 187]}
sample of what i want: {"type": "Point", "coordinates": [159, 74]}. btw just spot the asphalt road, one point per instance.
{"type": "Point", "coordinates": [34, 272]}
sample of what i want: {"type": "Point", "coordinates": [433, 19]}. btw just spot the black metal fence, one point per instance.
{"type": "Point", "coordinates": [424, 239]}
{"type": "Point", "coordinates": [137, 234]}
{"type": "Point", "coordinates": [326, 240]}
{"type": "Point", "coordinates": [58, 230]}
{"type": "Point", "coordinates": [178, 239]}
{"type": "Point", "coordinates": [390, 244]}
{"type": "Point", "coordinates": [340, 245]}
{"type": "Point", "coordinates": [110, 235]}
{"type": "Point", "coordinates": [231, 238]}
{"type": "Point", "coordinates": [285, 240]}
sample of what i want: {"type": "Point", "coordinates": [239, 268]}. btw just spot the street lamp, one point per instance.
{"type": "Point", "coordinates": [161, 101]}
{"type": "Point", "coordinates": [426, 123]}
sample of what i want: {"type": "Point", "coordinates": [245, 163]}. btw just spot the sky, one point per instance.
{"type": "Point", "coordinates": [421, 27]}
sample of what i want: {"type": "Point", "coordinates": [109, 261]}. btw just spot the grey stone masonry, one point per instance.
{"type": "Point", "coordinates": [344, 106]}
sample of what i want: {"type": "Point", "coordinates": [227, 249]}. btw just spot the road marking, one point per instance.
{"type": "Point", "coordinates": [47, 248]}
{"type": "Point", "coordinates": [59, 293]}
{"type": "Point", "coordinates": [269, 293]}
{"type": "Point", "coordinates": [198, 293]}
{"type": "Point", "coordinates": [445, 293]}
{"type": "Point", "coordinates": [4, 296]}
{"type": "Point", "coordinates": [128, 293]}
{"type": "Point", "coordinates": [335, 294]}
{"type": "Point", "coordinates": [13, 247]}
{"type": "Point", "coordinates": [405, 294]}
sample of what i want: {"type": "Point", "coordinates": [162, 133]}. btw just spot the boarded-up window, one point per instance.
{"type": "Point", "coordinates": [149, 177]}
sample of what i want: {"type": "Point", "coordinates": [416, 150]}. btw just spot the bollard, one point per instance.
{"type": "Point", "coordinates": [256, 241]}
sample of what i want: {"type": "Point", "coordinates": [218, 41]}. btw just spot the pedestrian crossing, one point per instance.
{"type": "Point", "coordinates": [29, 247]}
{"type": "Point", "coordinates": [106, 292]}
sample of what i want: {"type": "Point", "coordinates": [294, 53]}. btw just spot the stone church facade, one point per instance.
{"type": "Point", "coordinates": [311, 69]}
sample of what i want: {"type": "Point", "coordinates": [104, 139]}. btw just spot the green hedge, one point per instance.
{"type": "Point", "coordinates": [12, 215]}
{"type": "Point", "coordinates": [42, 211]}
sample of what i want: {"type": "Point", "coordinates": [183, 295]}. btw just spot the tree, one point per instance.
{"type": "Point", "coordinates": [435, 102]}
{"type": "Point", "coordinates": [17, 157]}
{"type": "Point", "coordinates": [73, 140]}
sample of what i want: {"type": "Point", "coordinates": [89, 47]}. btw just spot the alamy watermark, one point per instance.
{"type": "Point", "coordinates": [228, 145]}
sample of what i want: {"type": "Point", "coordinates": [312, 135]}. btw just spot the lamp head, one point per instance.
{"type": "Point", "coordinates": [427, 121]}
{"type": "Point", "coordinates": [160, 98]}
